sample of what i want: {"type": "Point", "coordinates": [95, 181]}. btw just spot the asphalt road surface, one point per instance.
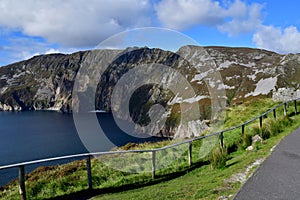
{"type": "Point", "coordinates": [279, 175]}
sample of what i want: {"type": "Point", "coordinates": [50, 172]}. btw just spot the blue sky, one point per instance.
{"type": "Point", "coordinates": [33, 27]}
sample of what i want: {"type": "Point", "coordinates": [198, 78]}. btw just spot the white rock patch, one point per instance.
{"type": "Point", "coordinates": [264, 86]}
{"type": "Point", "coordinates": [252, 77]}
{"type": "Point", "coordinates": [242, 176]}
{"type": "Point", "coordinates": [226, 64]}
{"type": "Point", "coordinates": [199, 77]}
{"type": "Point", "coordinates": [223, 86]}
{"type": "Point", "coordinates": [250, 64]}
{"type": "Point", "coordinates": [286, 94]}
{"type": "Point", "coordinates": [194, 99]}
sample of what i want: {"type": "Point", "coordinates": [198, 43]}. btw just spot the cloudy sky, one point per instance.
{"type": "Point", "coordinates": [32, 27]}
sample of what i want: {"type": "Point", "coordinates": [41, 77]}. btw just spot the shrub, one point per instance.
{"type": "Point", "coordinates": [265, 133]}
{"type": "Point", "coordinates": [218, 158]}
{"type": "Point", "coordinates": [275, 127]}
{"type": "Point", "coordinates": [232, 147]}
{"type": "Point", "coordinates": [285, 121]}
{"type": "Point", "coordinates": [129, 146]}
{"type": "Point", "coordinates": [246, 140]}
{"type": "Point", "coordinates": [255, 130]}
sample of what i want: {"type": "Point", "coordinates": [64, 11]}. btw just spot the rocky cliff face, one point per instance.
{"type": "Point", "coordinates": [42, 82]}
{"type": "Point", "coordinates": [46, 82]}
{"type": "Point", "coordinates": [250, 73]}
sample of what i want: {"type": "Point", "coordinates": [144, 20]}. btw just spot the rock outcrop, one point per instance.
{"type": "Point", "coordinates": [42, 82]}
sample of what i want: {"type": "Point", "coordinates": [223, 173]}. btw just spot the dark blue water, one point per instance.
{"type": "Point", "coordinates": [26, 136]}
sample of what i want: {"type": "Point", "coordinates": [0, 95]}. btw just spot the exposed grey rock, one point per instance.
{"type": "Point", "coordinates": [256, 138]}
{"type": "Point", "coordinates": [223, 198]}
{"type": "Point", "coordinates": [286, 94]}
{"type": "Point", "coordinates": [191, 129]}
{"type": "Point", "coordinates": [250, 148]}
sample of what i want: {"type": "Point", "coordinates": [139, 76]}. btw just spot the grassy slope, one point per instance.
{"type": "Point", "coordinates": [208, 183]}
{"type": "Point", "coordinates": [204, 182]}
{"type": "Point", "coordinates": [200, 183]}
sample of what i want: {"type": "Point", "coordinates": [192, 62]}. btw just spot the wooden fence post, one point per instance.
{"type": "Point", "coordinates": [243, 129]}
{"type": "Point", "coordinates": [284, 110]}
{"type": "Point", "coordinates": [89, 172]}
{"type": "Point", "coordinates": [22, 188]}
{"type": "Point", "coordinates": [260, 122]}
{"type": "Point", "coordinates": [221, 136]}
{"type": "Point", "coordinates": [190, 153]}
{"type": "Point", "coordinates": [274, 114]}
{"type": "Point", "coordinates": [153, 164]}
{"type": "Point", "coordinates": [295, 104]}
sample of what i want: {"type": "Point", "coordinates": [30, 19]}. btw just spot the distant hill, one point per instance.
{"type": "Point", "coordinates": [45, 82]}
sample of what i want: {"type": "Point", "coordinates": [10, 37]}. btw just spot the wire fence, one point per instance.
{"type": "Point", "coordinates": [153, 159]}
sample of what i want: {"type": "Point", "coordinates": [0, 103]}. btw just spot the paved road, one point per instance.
{"type": "Point", "coordinates": [279, 176]}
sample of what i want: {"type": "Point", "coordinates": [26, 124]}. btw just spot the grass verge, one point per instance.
{"type": "Point", "coordinates": [206, 182]}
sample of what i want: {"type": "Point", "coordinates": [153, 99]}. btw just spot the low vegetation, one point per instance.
{"type": "Point", "coordinates": [218, 158]}
{"type": "Point", "coordinates": [210, 176]}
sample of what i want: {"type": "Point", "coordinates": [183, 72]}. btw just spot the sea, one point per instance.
{"type": "Point", "coordinates": [33, 135]}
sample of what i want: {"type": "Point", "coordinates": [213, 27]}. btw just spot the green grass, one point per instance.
{"type": "Point", "coordinates": [205, 182]}
{"type": "Point", "coordinates": [248, 110]}
{"type": "Point", "coordinates": [174, 178]}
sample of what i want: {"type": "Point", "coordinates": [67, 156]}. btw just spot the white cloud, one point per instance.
{"type": "Point", "coordinates": [72, 25]}
{"type": "Point", "coordinates": [182, 14]}
{"type": "Point", "coordinates": [233, 18]}
{"type": "Point", "coordinates": [245, 19]}
{"type": "Point", "coordinates": [81, 23]}
{"type": "Point", "coordinates": [278, 39]}
{"type": "Point", "coordinates": [74, 22]}
{"type": "Point", "coordinates": [52, 50]}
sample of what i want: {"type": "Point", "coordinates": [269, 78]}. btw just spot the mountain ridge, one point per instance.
{"type": "Point", "coordinates": [67, 58]}
{"type": "Point", "coordinates": [45, 82]}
